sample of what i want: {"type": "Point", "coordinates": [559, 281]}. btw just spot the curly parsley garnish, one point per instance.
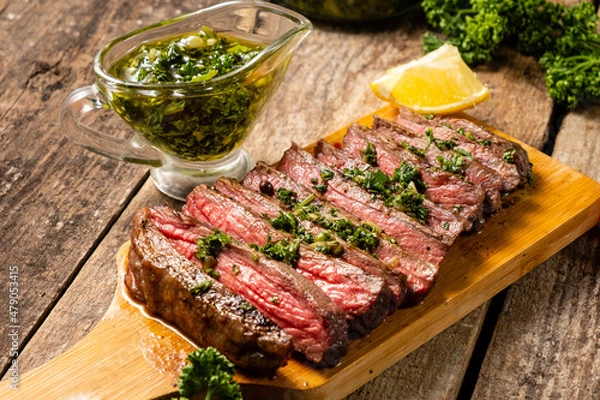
{"type": "Point", "coordinates": [208, 370]}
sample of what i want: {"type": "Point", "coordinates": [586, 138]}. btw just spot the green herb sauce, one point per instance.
{"type": "Point", "coordinates": [364, 236]}
{"type": "Point", "coordinates": [282, 250]}
{"type": "Point", "coordinates": [394, 191]}
{"type": "Point", "coordinates": [207, 249]}
{"type": "Point", "coordinates": [195, 126]}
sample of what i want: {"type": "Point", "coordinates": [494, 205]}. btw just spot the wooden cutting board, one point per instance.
{"type": "Point", "coordinates": [130, 355]}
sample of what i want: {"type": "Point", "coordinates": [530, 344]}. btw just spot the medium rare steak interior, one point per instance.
{"type": "Point", "coordinates": [420, 274]}
{"type": "Point", "coordinates": [317, 237]}
{"type": "Point", "coordinates": [364, 298]}
{"type": "Point", "coordinates": [296, 257]}
{"type": "Point", "coordinates": [315, 324]}
{"type": "Point", "coordinates": [163, 280]}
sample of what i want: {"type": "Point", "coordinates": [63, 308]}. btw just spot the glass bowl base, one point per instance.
{"type": "Point", "coordinates": [177, 180]}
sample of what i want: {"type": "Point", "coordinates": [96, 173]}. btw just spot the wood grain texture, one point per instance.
{"type": "Point", "coordinates": [56, 200]}
{"type": "Point", "coordinates": [547, 340]}
{"type": "Point", "coordinates": [433, 371]}
{"type": "Point", "coordinates": [477, 267]}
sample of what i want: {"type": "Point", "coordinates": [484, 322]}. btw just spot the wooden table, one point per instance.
{"type": "Point", "coordinates": [65, 211]}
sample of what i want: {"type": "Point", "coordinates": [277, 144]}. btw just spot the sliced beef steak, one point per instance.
{"type": "Point", "coordinates": [441, 154]}
{"type": "Point", "coordinates": [443, 188]}
{"type": "Point", "coordinates": [161, 278]}
{"type": "Point", "coordinates": [420, 275]}
{"type": "Point", "coordinates": [418, 125]}
{"type": "Point", "coordinates": [418, 240]}
{"type": "Point", "coordinates": [316, 325]}
{"type": "Point", "coordinates": [317, 237]}
{"type": "Point", "coordinates": [498, 145]}
{"type": "Point", "coordinates": [438, 219]}
{"type": "Point", "coordinates": [363, 297]}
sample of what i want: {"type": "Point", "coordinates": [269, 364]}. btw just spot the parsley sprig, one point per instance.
{"type": "Point", "coordinates": [565, 39]}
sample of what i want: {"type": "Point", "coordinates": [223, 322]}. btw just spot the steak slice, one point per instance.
{"type": "Point", "coordinates": [161, 278]}
{"type": "Point", "coordinates": [468, 167]}
{"type": "Point", "coordinates": [317, 327]}
{"type": "Point", "coordinates": [418, 125]}
{"type": "Point", "coordinates": [418, 240]}
{"type": "Point", "coordinates": [274, 210]}
{"type": "Point", "coordinates": [438, 219]}
{"type": "Point", "coordinates": [443, 188]}
{"type": "Point", "coordinates": [420, 275]}
{"type": "Point", "coordinates": [364, 298]}
{"type": "Point", "coordinates": [498, 145]}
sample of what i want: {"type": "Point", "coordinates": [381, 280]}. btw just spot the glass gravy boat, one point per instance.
{"type": "Point", "coordinates": [185, 131]}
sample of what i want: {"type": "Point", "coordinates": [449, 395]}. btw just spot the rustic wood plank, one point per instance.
{"type": "Point", "coordinates": [333, 91]}
{"type": "Point", "coordinates": [56, 198]}
{"type": "Point", "coordinates": [546, 341]}
{"type": "Point", "coordinates": [435, 370]}
{"type": "Point", "coordinates": [87, 299]}
{"type": "Point", "coordinates": [475, 269]}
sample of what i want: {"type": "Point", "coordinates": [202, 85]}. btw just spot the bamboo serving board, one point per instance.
{"type": "Point", "coordinates": [131, 355]}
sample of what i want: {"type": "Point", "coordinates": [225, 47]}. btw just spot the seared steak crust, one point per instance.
{"type": "Point", "coordinates": [317, 327]}
{"type": "Point", "coordinates": [420, 275]}
{"type": "Point", "coordinates": [418, 240]}
{"type": "Point", "coordinates": [363, 297]}
{"type": "Point", "coordinates": [161, 278]}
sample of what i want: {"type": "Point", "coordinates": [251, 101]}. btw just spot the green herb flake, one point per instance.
{"type": "Point", "coordinates": [416, 151]}
{"type": "Point", "coordinates": [207, 248]}
{"type": "Point", "coordinates": [470, 136]}
{"type": "Point", "coordinates": [530, 174]}
{"type": "Point", "coordinates": [407, 173]}
{"type": "Point", "coordinates": [453, 164]}
{"type": "Point", "coordinates": [201, 288]}
{"type": "Point", "coordinates": [213, 273]}
{"type": "Point", "coordinates": [369, 154]}
{"type": "Point", "coordinates": [409, 201]}
{"type": "Point", "coordinates": [463, 152]}
{"type": "Point", "coordinates": [509, 155]}
{"type": "Point", "coordinates": [287, 197]}
{"type": "Point", "coordinates": [326, 174]}
{"type": "Point", "coordinates": [282, 250]}
{"type": "Point", "coordinates": [320, 188]}
{"type": "Point", "coordinates": [392, 191]}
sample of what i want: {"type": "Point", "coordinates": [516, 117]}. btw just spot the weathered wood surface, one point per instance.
{"type": "Point", "coordinates": [65, 210]}
{"type": "Point", "coordinates": [547, 340]}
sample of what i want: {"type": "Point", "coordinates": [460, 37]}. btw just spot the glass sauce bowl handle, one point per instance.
{"type": "Point", "coordinates": [88, 99]}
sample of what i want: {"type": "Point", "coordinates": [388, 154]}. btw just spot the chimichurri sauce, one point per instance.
{"type": "Point", "coordinates": [193, 123]}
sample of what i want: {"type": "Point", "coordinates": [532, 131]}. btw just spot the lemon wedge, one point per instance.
{"type": "Point", "coordinates": [439, 82]}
